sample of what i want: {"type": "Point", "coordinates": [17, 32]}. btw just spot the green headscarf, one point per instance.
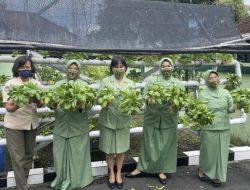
{"type": "Point", "coordinates": [70, 75]}
{"type": "Point", "coordinates": [206, 76]}
{"type": "Point", "coordinates": [166, 74]}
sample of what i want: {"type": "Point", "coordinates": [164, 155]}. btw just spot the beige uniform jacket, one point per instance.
{"type": "Point", "coordinates": [25, 117]}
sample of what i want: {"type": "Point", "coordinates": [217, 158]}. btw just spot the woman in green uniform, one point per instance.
{"type": "Point", "coordinates": [115, 125]}
{"type": "Point", "coordinates": [71, 147]}
{"type": "Point", "coordinates": [159, 142]}
{"type": "Point", "coordinates": [215, 138]}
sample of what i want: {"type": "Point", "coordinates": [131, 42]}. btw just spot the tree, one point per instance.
{"type": "Point", "coordinates": [240, 9]}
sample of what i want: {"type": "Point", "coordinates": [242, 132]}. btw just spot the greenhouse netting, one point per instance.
{"type": "Point", "coordinates": [114, 26]}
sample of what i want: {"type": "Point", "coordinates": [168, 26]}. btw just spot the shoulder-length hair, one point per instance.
{"type": "Point", "coordinates": [115, 61]}
{"type": "Point", "coordinates": [19, 62]}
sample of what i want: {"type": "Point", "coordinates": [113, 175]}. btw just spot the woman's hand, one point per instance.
{"type": "Point", "coordinates": [173, 108]}
{"type": "Point", "coordinates": [79, 105]}
{"type": "Point", "coordinates": [10, 106]}
{"type": "Point", "coordinates": [234, 107]}
{"type": "Point", "coordinates": [38, 103]}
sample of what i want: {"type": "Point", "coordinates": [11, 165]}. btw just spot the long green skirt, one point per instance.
{"type": "Point", "coordinates": [214, 153]}
{"type": "Point", "coordinates": [72, 162]}
{"type": "Point", "coordinates": [158, 150]}
{"type": "Point", "coordinates": [114, 141]}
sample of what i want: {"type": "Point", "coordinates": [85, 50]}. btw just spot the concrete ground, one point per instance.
{"type": "Point", "coordinates": [184, 179]}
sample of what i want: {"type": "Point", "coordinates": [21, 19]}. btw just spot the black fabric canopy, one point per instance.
{"type": "Point", "coordinates": [119, 26]}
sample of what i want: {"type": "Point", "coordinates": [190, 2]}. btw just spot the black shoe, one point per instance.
{"type": "Point", "coordinates": [130, 175]}
{"type": "Point", "coordinates": [119, 185]}
{"type": "Point", "coordinates": [216, 183]}
{"type": "Point", "coordinates": [163, 181]}
{"type": "Point", "coordinates": [111, 185]}
{"type": "Point", "coordinates": [202, 178]}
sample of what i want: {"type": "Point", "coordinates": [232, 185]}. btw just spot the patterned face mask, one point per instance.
{"type": "Point", "coordinates": [119, 72]}
{"type": "Point", "coordinates": [213, 84]}
{"type": "Point", "coordinates": [73, 73]}
{"type": "Point", "coordinates": [72, 76]}
{"type": "Point", "coordinates": [166, 73]}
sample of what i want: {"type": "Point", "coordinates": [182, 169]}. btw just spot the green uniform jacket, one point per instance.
{"type": "Point", "coordinates": [215, 138]}
{"type": "Point", "coordinates": [220, 103]}
{"type": "Point", "coordinates": [112, 117]}
{"type": "Point", "coordinates": [70, 123]}
{"type": "Point", "coordinates": [160, 116]}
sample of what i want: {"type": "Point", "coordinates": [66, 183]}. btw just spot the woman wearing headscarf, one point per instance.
{"type": "Point", "coordinates": [115, 125]}
{"type": "Point", "coordinates": [215, 138]}
{"type": "Point", "coordinates": [159, 142]}
{"type": "Point", "coordinates": [21, 122]}
{"type": "Point", "coordinates": [71, 146]}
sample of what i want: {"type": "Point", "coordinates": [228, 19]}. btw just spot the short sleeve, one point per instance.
{"type": "Point", "coordinates": [5, 91]}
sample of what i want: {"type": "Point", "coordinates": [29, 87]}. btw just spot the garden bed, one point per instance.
{"type": "Point", "coordinates": [187, 141]}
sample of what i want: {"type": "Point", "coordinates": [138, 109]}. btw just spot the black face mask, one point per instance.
{"type": "Point", "coordinates": [25, 73]}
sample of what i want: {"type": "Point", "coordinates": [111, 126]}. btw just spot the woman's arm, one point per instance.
{"type": "Point", "coordinates": [231, 107]}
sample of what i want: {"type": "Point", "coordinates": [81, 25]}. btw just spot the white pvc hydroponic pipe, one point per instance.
{"type": "Point", "coordinates": [135, 130]}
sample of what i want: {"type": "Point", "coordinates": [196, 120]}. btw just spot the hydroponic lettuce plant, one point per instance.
{"type": "Point", "coordinates": [24, 94]}
{"type": "Point", "coordinates": [46, 131]}
{"type": "Point", "coordinates": [175, 96]}
{"type": "Point", "coordinates": [94, 72]}
{"type": "Point", "coordinates": [131, 101]}
{"type": "Point", "coordinates": [49, 75]}
{"type": "Point", "coordinates": [241, 98]}
{"type": "Point", "coordinates": [157, 94]}
{"type": "Point", "coordinates": [197, 114]}
{"type": "Point", "coordinates": [1, 99]}
{"type": "Point", "coordinates": [233, 82]}
{"type": "Point", "coordinates": [2, 133]}
{"type": "Point", "coordinates": [105, 96]}
{"type": "Point", "coordinates": [73, 95]}
{"type": "Point", "coordinates": [134, 75]}
{"type": "Point", "coordinates": [3, 79]}
{"type": "Point", "coordinates": [154, 94]}
{"type": "Point", "coordinates": [48, 98]}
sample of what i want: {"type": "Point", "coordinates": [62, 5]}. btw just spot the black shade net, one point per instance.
{"type": "Point", "coordinates": [114, 25]}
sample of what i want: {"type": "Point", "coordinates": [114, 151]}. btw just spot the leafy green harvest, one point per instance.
{"type": "Point", "coordinates": [73, 95]}
{"type": "Point", "coordinates": [197, 114]}
{"type": "Point", "coordinates": [105, 96]}
{"type": "Point", "coordinates": [241, 98]}
{"type": "Point", "coordinates": [233, 82]}
{"type": "Point", "coordinates": [23, 94]}
{"type": "Point", "coordinates": [48, 98]}
{"type": "Point", "coordinates": [157, 94]}
{"type": "Point", "coordinates": [131, 101]}
{"type": "Point", "coordinates": [154, 94]}
{"type": "Point", "coordinates": [176, 97]}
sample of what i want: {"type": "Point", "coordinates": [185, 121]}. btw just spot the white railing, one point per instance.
{"type": "Point", "coordinates": [135, 130]}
